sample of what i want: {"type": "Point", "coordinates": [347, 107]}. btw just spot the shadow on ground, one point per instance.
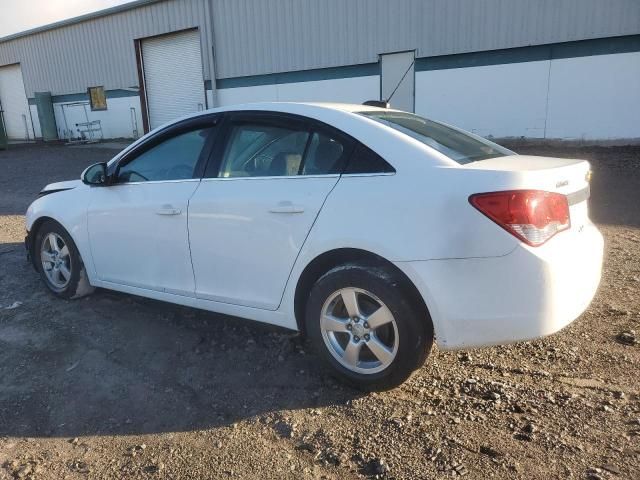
{"type": "Point", "coordinates": [117, 364]}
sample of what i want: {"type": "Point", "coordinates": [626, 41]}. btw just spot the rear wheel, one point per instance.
{"type": "Point", "coordinates": [59, 262]}
{"type": "Point", "coordinates": [364, 325]}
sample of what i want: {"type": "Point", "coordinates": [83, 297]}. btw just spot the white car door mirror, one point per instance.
{"type": "Point", "coordinates": [95, 174]}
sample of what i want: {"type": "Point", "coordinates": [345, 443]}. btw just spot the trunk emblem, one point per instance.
{"type": "Point", "coordinates": [562, 183]}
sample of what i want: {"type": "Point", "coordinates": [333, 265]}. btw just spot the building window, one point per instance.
{"type": "Point", "coordinates": [97, 98]}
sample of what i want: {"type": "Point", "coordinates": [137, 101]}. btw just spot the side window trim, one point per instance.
{"type": "Point", "coordinates": [369, 174]}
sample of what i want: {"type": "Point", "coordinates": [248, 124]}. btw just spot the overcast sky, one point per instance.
{"type": "Point", "coordinates": [19, 15]}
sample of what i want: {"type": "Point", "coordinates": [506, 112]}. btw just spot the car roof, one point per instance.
{"type": "Point", "coordinates": [311, 109]}
{"type": "Point", "coordinates": [286, 106]}
{"type": "Point", "coordinates": [382, 139]}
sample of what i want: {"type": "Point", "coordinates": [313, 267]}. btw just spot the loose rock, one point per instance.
{"type": "Point", "coordinates": [627, 338]}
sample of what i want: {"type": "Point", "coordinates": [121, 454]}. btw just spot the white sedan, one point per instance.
{"type": "Point", "coordinates": [373, 231]}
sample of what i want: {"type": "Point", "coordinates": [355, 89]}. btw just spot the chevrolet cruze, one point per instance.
{"type": "Point", "coordinates": [373, 231]}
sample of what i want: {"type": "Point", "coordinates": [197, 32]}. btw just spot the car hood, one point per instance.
{"type": "Point", "coordinates": [61, 186]}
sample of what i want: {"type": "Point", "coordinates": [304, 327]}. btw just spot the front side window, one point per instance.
{"type": "Point", "coordinates": [456, 144]}
{"type": "Point", "coordinates": [173, 159]}
{"type": "Point", "coordinates": [266, 150]}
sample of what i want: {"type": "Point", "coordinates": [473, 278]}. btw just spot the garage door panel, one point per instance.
{"type": "Point", "coordinates": [13, 101]}
{"type": "Point", "coordinates": [173, 76]}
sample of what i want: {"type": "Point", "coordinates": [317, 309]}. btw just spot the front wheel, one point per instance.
{"type": "Point", "coordinates": [362, 322]}
{"type": "Point", "coordinates": [59, 262]}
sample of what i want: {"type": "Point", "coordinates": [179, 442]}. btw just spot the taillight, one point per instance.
{"type": "Point", "coordinates": [534, 216]}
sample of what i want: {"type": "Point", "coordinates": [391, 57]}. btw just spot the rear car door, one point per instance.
{"type": "Point", "coordinates": [261, 194]}
{"type": "Point", "coordinates": [138, 224]}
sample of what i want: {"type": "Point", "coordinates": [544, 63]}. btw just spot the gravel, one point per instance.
{"type": "Point", "coordinates": [116, 386]}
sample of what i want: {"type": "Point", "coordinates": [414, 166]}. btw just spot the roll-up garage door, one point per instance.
{"type": "Point", "coordinates": [14, 104]}
{"type": "Point", "coordinates": [173, 77]}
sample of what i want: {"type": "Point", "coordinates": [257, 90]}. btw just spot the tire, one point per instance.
{"type": "Point", "coordinates": [71, 281]}
{"type": "Point", "coordinates": [407, 337]}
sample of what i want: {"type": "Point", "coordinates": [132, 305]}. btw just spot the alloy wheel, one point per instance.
{"type": "Point", "coordinates": [359, 330]}
{"type": "Point", "coordinates": [56, 261]}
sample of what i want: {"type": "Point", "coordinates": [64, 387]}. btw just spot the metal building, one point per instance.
{"type": "Point", "coordinates": [566, 69]}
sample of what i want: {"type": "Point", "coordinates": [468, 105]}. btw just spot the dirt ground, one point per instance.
{"type": "Point", "coordinates": [116, 386]}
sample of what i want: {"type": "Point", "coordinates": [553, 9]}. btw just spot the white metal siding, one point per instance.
{"type": "Point", "coordinates": [347, 90]}
{"type": "Point", "coordinates": [99, 51]}
{"type": "Point", "coordinates": [595, 97]}
{"type": "Point", "coordinates": [14, 104]}
{"type": "Point", "coordinates": [585, 98]}
{"type": "Point", "coordinates": [254, 37]}
{"type": "Point", "coordinates": [173, 76]}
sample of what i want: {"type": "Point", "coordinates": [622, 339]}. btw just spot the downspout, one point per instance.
{"type": "Point", "coordinates": [208, 22]}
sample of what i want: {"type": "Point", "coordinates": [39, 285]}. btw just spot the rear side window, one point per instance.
{"type": "Point", "coordinates": [267, 149]}
{"type": "Point", "coordinates": [259, 150]}
{"type": "Point", "coordinates": [324, 155]}
{"type": "Point", "coordinates": [365, 160]}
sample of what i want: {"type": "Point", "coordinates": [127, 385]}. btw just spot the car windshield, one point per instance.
{"type": "Point", "coordinates": [460, 146]}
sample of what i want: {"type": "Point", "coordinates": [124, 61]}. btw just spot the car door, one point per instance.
{"type": "Point", "coordinates": [138, 224]}
{"type": "Point", "coordinates": [251, 214]}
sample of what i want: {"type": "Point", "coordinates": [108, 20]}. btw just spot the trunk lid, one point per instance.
{"type": "Point", "coordinates": [567, 176]}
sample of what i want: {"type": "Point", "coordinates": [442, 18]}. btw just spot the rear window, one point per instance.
{"type": "Point", "coordinates": [458, 145]}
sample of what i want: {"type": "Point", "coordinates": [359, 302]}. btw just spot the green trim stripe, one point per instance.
{"type": "Point", "coordinates": [332, 73]}
{"type": "Point", "coordinates": [579, 48]}
{"type": "Point", "coordinates": [554, 51]}
{"type": "Point", "coordinates": [84, 97]}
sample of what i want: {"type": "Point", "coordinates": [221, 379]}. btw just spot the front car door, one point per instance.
{"type": "Point", "coordinates": [138, 224]}
{"type": "Point", "coordinates": [262, 192]}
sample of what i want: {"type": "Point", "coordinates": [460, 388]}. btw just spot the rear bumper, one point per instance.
{"type": "Point", "coordinates": [529, 293]}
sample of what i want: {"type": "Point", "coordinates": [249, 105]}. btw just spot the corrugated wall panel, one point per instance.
{"type": "Point", "coordinates": [255, 37]}
{"type": "Point", "coordinates": [99, 51]}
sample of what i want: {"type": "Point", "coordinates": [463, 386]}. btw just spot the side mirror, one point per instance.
{"type": "Point", "coordinates": [95, 174]}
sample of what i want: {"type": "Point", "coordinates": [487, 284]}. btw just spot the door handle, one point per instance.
{"type": "Point", "coordinates": [286, 207]}
{"type": "Point", "coordinates": [168, 210]}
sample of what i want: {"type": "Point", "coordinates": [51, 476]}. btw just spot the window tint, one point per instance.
{"type": "Point", "coordinates": [460, 146]}
{"type": "Point", "coordinates": [365, 160]}
{"type": "Point", "coordinates": [324, 155]}
{"type": "Point", "coordinates": [259, 150]}
{"type": "Point", "coordinates": [173, 159]}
